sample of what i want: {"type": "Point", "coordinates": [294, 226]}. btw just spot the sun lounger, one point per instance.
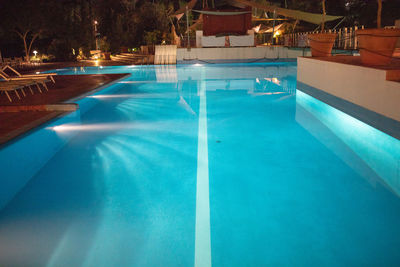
{"type": "Point", "coordinates": [7, 87]}
{"type": "Point", "coordinates": [26, 80]}
{"type": "Point", "coordinates": [29, 76]}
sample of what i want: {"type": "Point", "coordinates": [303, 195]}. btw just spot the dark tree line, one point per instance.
{"type": "Point", "coordinates": [65, 28]}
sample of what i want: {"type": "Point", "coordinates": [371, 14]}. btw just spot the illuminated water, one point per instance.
{"type": "Point", "coordinates": [200, 165]}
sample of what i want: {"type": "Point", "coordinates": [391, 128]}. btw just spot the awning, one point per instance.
{"type": "Point", "coordinates": [221, 13]}
{"type": "Point", "coordinates": [262, 19]}
{"type": "Point", "coordinates": [182, 10]}
{"type": "Point", "coordinates": [314, 18]}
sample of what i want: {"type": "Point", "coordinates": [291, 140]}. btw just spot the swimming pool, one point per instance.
{"type": "Point", "coordinates": [202, 165]}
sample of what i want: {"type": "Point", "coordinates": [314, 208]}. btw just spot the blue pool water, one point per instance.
{"type": "Point", "coordinates": [201, 165]}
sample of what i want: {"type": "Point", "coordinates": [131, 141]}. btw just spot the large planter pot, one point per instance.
{"type": "Point", "coordinates": [107, 55]}
{"type": "Point", "coordinates": [377, 45]}
{"type": "Point", "coordinates": [321, 44]}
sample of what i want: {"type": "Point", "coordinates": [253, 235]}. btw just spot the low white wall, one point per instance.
{"type": "Point", "coordinates": [239, 53]}
{"type": "Point", "coordinates": [363, 86]}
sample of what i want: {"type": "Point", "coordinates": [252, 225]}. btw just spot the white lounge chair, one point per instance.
{"type": "Point", "coordinates": [29, 76]}
{"type": "Point", "coordinates": [7, 87]}
{"type": "Point", "coordinates": [35, 80]}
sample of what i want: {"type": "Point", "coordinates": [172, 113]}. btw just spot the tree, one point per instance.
{"type": "Point", "coordinates": [25, 19]}
{"type": "Point", "coordinates": [379, 14]}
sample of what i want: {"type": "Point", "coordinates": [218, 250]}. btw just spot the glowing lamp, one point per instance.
{"type": "Point", "coordinates": [277, 33]}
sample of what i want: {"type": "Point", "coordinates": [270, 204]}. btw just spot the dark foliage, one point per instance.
{"type": "Point", "coordinates": [64, 27]}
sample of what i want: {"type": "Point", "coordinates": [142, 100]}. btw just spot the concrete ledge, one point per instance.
{"type": "Point", "coordinates": [53, 107]}
{"type": "Point", "coordinates": [98, 88]}
{"type": "Point", "coordinates": [364, 87]}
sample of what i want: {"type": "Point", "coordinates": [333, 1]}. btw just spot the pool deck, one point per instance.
{"type": "Point", "coordinates": [392, 70]}
{"type": "Point", "coordinates": [31, 111]}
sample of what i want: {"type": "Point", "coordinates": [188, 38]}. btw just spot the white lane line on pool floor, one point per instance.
{"type": "Point", "coordinates": [202, 254]}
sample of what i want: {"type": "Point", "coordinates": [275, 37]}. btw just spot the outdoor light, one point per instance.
{"type": "Point", "coordinates": [96, 35]}
{"type": "Point", "coordinates": [35, 52]}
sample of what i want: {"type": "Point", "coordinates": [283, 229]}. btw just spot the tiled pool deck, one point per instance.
{"type": "Point", "coordinates": [13, 124]}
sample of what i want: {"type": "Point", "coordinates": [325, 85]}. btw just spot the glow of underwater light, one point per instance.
{"type": "Point", "coordinates": [198, 65]}
{"type": "Point", "coordinates": [337, 115]}
{"type": "Point", "coordinates": [107, 127]}
{"type": "Point", "coordinates": [269, 93]}
{"type": "Point", "coordinates": [91, 127]}
{"type": "Point", "coordinates": [377, 149]}
{"type": "Point", "coordinates": [136, 82]}
{"type": "Point", "coordinates": [112, 96]}
{"type": "Point", "coordinates": [138, 95]}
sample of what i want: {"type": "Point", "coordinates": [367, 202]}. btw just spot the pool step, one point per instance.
{"type": "Point", "coordinates": [134, 59]}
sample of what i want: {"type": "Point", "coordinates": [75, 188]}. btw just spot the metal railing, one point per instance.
{"type": "Point", "coordinates": [346, 38]}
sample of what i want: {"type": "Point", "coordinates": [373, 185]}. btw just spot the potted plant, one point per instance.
{"type": "Point", "coordinates": [321, 43]}
{"type": "Point", "coordinates": [105, 48]}
{"type": "Point", "coordinates": [377, 45]}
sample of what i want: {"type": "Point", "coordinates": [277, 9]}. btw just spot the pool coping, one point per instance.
{"type": "Point", "coordinates": [96, 89]}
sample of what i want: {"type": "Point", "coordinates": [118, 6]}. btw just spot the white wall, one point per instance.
{"type": "Point", "coordinates": [239, 53]}
{"type": "Point", "coordinates": [363, 86]}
